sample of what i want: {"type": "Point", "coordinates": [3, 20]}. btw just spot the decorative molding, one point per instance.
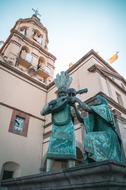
{"type": "Point", "coordinates": [116, 113]}
{"type": "Point", "coordinates": [48, 124]}
{"type": "Point", "coordinates": [95, 68]}
{"type": "Point", "coordinates": [15, 42]}
{"type": "Point", "coordinates": [122, 119]}
{"type": "Point", "coordinates": [94, 54]}
{"type": "Point", "coordinates": [46, 135]}
{"type": "Point", "coordinates": [108, 72]}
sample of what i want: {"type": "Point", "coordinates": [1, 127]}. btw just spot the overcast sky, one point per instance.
{"type": "Point", "coordinates": [74, 27]}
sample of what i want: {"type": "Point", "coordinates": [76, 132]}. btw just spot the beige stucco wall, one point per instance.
{"type": "Point", "coordinates": [12, 51]}
{"type": "Point", "coordinates": [18, 92]}
{"type": "Point", "coordinates": [118, 81]}
{"type": "Point", "coordinates": [26, 151]}
{"type": "Point", "coordinates": [21, 93]}
{"type": "Point", "coordinates": [110, 89]}
{"type": "Point", "coordinates": [114, 96]}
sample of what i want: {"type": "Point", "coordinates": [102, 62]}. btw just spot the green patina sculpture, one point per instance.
{"type": "Point", "coordinates": [62, 142]}
{"type": "Point", "coordinates": [102, 141]}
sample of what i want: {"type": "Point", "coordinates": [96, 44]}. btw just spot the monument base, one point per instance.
{"type": "Point", "coordinates": [105, 175]}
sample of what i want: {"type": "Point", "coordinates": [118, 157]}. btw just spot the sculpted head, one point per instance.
{"type": "Point", "coordinates": [71, 92]}
{"type": "Point", "coordinates": [62, 92]}
{"type": "Point", "coordinates": [62, 82]}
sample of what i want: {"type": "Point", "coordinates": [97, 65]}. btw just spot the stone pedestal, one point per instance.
{"type": "Point", "coordinates": [101, 176]}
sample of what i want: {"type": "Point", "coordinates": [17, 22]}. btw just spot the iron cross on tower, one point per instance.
{"type": "Point", "coordinates": [36, 12]}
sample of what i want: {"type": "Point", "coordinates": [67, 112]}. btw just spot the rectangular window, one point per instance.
{"type": "Point", "coordinates": [119, 99]}
{"type": "Point", "coordinates": [19, 123]}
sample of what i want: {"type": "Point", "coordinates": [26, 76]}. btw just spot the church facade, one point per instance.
{"type": "Point", "coordinates": [26, 80]}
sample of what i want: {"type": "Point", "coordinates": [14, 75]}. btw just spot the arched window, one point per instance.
{"type": "Point", "coordinates": [24, 53]}
{"type": "Point", "coordinates": [37, 36]}
{"type": "Point", "coordinates": [23, 30]}
{"type": "Point", "coordinates": [41, 63]}
{"type": "Point", "coordinates": [10, 170]}
{"type": "Point", "coordinates": [40, 39]}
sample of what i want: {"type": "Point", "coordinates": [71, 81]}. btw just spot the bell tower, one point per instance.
{"type": "Point", "coordinates": [27, 49]}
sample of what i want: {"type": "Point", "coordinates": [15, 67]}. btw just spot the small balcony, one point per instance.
{"type": "Point", "coordinates": [43, 72]}
{"type": "Point", "coordinates": [23, 62]}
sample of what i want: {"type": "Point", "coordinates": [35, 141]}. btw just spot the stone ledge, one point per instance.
{"type": "Point", "coordinates": [101, 175]}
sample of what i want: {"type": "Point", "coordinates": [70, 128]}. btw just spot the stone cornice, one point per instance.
{"type": "Point", "coordinates": [96, 175]}
{"type": "Point", "coordinates": [95, 68]}
{"type": "Point", "coordinates": [121, 119]}
{"type": "Point", "coordinates": [91, 52]}
{"type": "Point", "coordinates": [108, 72]}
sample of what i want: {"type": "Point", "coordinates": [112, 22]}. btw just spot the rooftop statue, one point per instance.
{"type": "Point", "coordinates": [101, 141]}
{"type": "Point", "coordinates": [36, 12]}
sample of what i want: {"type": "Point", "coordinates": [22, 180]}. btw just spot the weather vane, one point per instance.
{"type": "Point", "coordinates": [36, 12]}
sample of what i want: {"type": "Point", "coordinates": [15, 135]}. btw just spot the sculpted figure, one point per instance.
{"type": "Point", "coordinates": [101, 141]}
{"type": "Point", "coordinates": [62, 141]}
